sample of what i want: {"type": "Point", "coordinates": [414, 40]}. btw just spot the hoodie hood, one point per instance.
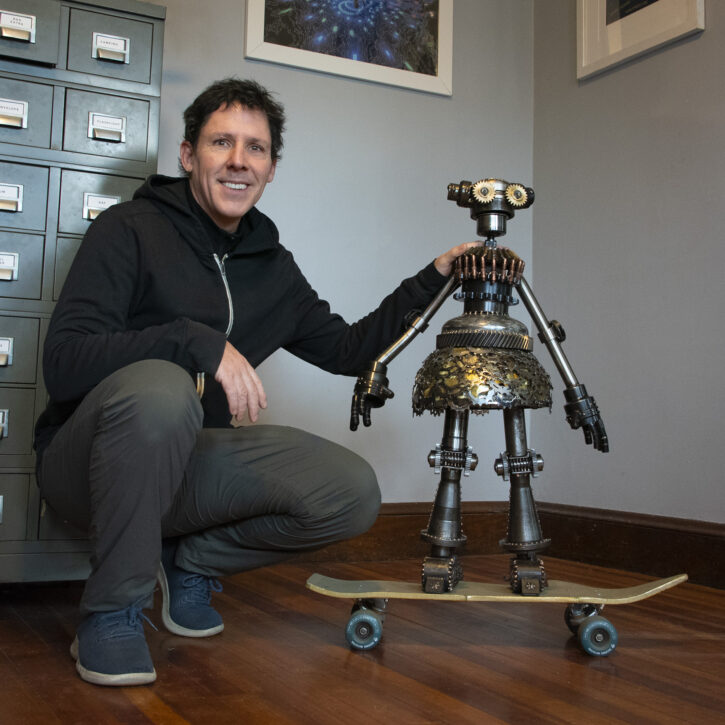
{"type": "Point", "coordinates": [172, 196]}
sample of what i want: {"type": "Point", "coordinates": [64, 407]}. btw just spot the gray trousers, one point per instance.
{"type": "Point", "coordinates": [133, 465]}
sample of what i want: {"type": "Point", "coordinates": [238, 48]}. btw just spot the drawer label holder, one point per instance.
{"type": "Point", "coordinates": [111, 48]}
{"type": "Point", "coordinates": [6, 351]}
{"type": "Point", "coordinates": [94, 204]}
{"type": "Point", "coordinates": [17, 26]}
{"type": "Point", "coordinates": [13, 113]}
{"type": "Point", "coordinates": [11, 198]}
{"type": "Point", "coordinates": [9, 262]}
{"type": "Point", "coordinates": [106, 128]}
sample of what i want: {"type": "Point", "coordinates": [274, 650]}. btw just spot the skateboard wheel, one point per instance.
{"type": "Point", "coordinates": [364, 629]}
{"type": "Point", "coordinates": [597, 636]}
{"type": "Point", "coordinates": [576, 614]}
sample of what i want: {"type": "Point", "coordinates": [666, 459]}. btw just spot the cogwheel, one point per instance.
{"type": "Point", "coordinates": [484, 191]}
{"type": "Point", "coordinates": [516, 195]}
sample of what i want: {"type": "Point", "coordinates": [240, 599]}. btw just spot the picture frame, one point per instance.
{"type": "Point", "coordinates": [439, 81]}
{"type": "Point", "coordinates": [644, 25]}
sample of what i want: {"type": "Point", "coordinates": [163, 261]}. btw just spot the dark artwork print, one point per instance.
{"type": "Point", "coordinates": [400, 34]}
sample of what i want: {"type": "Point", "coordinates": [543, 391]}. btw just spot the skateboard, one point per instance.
{"type": "Point", "coordinates": [597, 636]}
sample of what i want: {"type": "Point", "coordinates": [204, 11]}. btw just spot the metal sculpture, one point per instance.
{"type": "Point", "coordinates": [483, 361]}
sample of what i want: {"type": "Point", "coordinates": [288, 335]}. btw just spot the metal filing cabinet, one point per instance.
{"type": "Point", "coordinates": [79, 116]}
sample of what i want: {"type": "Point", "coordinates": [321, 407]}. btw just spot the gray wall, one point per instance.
{"type": "Point", "coordinates": [628, 172]}
{"type": "Point", "coordinates": [628, 253]}
{"type": "Point", "coordinates": [360, 199]}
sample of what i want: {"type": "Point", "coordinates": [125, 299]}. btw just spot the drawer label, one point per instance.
{"type": "Point", "coordinates": [108, 123]}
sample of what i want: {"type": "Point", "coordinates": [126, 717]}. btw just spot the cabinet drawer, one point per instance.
{"type": "Point", "coordinates": [21, 265]}
{"type": "Point", "coordinates": [23, 196]}
{"type": "Point", "coordinates": [85, 195]}
{"type": "Point", "coordinates": [110, 46]}
{"type": "Point", "coordinates": [29, 30]}
{"type": "Point", "coordinates": [13, 506]}
{"type": "Point", "coordinates": [65, 252]}
{"type": "Point", "coordinates": [25, 113]}
{"type": "Point", "coordinates": [18, 349]}
{"type": "Point", "coordinates": [17, 418]}
{"type": "Point", "coordinates": [106, 125]}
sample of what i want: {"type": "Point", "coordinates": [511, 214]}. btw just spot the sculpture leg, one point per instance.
{"type": "Point", "coordinates": [442, 570]}
{"type": "Point", "coordinates": [524, 538]}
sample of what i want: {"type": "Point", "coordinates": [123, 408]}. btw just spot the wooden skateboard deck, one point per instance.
{"type": "Point", "coordinates": [596, 635]}
{"type": "Point", "coordinates": [556, 591]}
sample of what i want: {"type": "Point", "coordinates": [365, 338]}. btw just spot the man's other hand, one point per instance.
{"type": "Point", "coordinates": [444, 263]}
{"type": "Point", "coordinates": [241, 384]}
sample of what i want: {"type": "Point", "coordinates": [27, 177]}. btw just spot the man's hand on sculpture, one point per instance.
{"type": "Point", "coordinates": [241, 384]}
{"type": "Point", "coordinates": [444, 263]}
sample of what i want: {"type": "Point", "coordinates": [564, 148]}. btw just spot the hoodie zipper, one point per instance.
{"type": "Point", "coordinates": [220, 264]}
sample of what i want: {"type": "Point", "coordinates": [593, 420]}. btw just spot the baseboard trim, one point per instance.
{"type": "Point", "coordinates": [654, 545]}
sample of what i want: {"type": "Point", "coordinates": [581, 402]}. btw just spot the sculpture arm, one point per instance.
{"type": "Point", "coordinates": [581, 409]}
{"type": "Point", "coordinates": [371, 388]}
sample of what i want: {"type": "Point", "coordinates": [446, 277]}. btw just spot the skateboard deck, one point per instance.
{"type": "Point", "coordinates": [596, 634]}
{"type": "Point", "coordinates": [556, 591]}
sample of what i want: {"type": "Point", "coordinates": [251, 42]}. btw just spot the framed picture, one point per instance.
{"type": "Point", "coordinates": [612, 31]}
{"type": "Point", "coordinates": [405, 43]}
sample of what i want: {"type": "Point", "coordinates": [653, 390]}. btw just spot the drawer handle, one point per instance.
{"type": "Point", "coordinates": [4, 415]}
{"type": "Point", "coordinates": [13, 113]}
{"type": "Point", "coordinates": [106, 128]}
{"type": "Point", "coordinates": [6, 351]}
{"type": "Point", "coordinates": [112, 48]}
{"type": "Point", "coordinates": [94, 204]}
{"type": "Point", "coordinates": [1, 509]}
{"type": "Point", "coordinates": [9, 262]}
{"type": "Point", "coordinates": [17, 26]}
{"type": "Point", "coordinates": [11, 198]}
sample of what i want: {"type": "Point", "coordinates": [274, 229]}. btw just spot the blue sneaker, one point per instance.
{"type": "Point", "coordinates": [110, 649]}
{"type": "Point", "coordinates": [186, 608]}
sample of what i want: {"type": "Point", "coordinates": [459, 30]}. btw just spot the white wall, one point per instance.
{"type": "Point", "coordinates": [360, 199]}
{"type": "Point", "coordinates": [629, 255]}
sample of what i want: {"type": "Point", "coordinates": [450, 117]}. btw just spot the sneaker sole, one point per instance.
{"type": "Point", "coordinates": [99, 678]}
{"type": "Point", "coordinates": [169, 623]}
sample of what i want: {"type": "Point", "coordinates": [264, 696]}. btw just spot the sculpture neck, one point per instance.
{"type": "Point", "coordinates": [481, 297]}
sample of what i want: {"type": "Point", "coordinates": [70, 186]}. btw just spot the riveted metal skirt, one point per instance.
{"type": "Point", "coordinates": [480, 379]}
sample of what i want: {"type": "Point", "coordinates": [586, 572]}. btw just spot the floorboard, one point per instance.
{"type": "Point", "coordinates": [283, 659]}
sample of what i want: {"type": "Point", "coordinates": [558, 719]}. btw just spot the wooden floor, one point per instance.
{"type": "Point", "coordinates": [283, 659]}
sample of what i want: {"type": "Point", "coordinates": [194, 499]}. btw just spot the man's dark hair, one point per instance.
{"type": "Point", "coordinates": [231, 92]}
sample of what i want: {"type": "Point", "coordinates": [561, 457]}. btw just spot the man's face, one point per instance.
{"type": "Point", "coordinates": [230, 164]}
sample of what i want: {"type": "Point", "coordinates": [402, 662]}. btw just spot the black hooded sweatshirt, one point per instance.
{"type": "Point", "coordinates": [155, 278]}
